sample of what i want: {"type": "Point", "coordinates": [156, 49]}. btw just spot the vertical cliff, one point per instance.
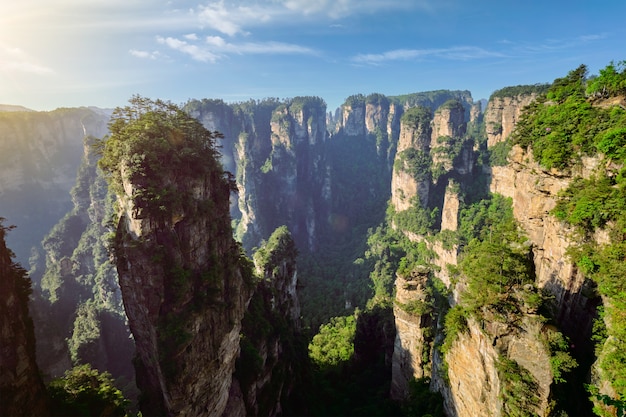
{"type": "Point", "coordinates": [21, 388]}
{"type": "Point", "coordinates": [272, 357]}
{"type": "Point", "coordinates": [185, 283]}
{"type": "Point", "coordinates": [277, 151]}
{"type": "Point", "coordinates": [489, 333]}
{"type": "Point", "coordinates": [534, 192]}
{"type": "Point", "coordinates": [504, 109]}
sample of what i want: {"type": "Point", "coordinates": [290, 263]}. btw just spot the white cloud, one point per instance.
{"type": "Point", "coordinates": [234, 18]}
{"type": "Point", "coordinates": [145, 54]}
{"type": "Point", "coordinates": [197, 53]}
{"type": "Point", "coordinates": [216, 41]}
{"type": "Point", "coordinates": [267, 48]}
{"type": "Point", "coordinates": [16, 60]}
{"type": "Point", "coordinates": [225, 20]}
{"type": "Point", "coordinates": [462, 53]}
{"type": "Point", "coordinates": [336, 9]}
{"type": "Point", "coordinates": [215, 47]}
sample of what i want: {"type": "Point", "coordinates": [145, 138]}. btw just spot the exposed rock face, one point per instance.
{"type": "Point", "coordinates": [278, 155]}
{"type": "Point", "coordinates": [21, 388]}
{"type": "Point", "coordinates": [502, 114]}
{"type": "Point", "coordinates": [353, 118]}
{"type": "Point", "coordinates": [185, 283]}
{"type": "Point", "coordinates": [187, 341]}
{"type": "Point", "coordinates": [40, 153]}
{"type": "Point", "coordinates": [412, 347]}
{"type": "Point", "coordinates": [451, 205]}
{"type": "Point", "coordinates": [270, 359]}
{"type": "Point", "coordinates": [415, 134]}
{"type": "Point", "coordinates": [534, 191]}
{"type": "Point", "coordinates": [475, 383]}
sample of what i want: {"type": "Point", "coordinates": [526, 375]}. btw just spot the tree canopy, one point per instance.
{"type": "Point", "coordinates": [157, 147]}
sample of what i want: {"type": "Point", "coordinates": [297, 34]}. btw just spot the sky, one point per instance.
{"type": "Point", "coordinates": [71, 53]}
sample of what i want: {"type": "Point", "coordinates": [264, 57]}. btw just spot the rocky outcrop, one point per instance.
{"type": "Point", "coordinates": [476, 368]}
{"type": "Point", "coordinates": [278, 154]}
{"type": "Point", "coordinates": [185, 282]}
{"type": "Point", "coordinates": [412, 348]}
{"type": "Point", "coordinates": [271, 358]}
{"type": "Point", "coordinates": [501, 115]}
{"type": "Point", "coordinates": [353, 117]}
{"type": "Point", "coordinates": [413, 144]}
{"type": "Point", "coordinates": [534, 192]}
{"type": "Point", "coordinates": [472, 372]}
{"type": "Point", "coordinates": [184, 294]}
{"type": "Point", "coordinates": [448, 131]}
{"type": "Point", "coordinates": [21, 388]}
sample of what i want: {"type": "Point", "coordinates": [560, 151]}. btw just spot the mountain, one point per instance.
{"type": "Point", "coordinates": [459, 260]}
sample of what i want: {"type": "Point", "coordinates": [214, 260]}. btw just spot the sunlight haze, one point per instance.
{"type": "Point", "coordinates": [67, 53]}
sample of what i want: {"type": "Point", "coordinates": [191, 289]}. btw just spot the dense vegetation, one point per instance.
{"type": "Point", "coordinates": [563, 125]}
{"type": "Point", "coordinates": [80, 305]}
{"type": "Point", "coordinates": [86, 392]}
{"type": "Point", "coordinates": [574, 118]}
{"type": "Point", "coordinates": [148, 135]}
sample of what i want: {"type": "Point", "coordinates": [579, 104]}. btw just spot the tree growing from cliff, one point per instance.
{"type": "Point", "coordinates": [148, 135]}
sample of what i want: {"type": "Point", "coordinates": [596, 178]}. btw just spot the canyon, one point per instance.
{"type": "Point", "coordinates": [215, 333]}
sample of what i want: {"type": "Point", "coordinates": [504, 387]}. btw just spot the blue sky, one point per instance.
{"type": "Point", "coordinates": [68, 53]}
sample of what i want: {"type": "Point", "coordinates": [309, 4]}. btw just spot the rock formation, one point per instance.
{"type": "Point", "coordinates": [501, 115]}
{"type": "Point", "coordinates": [21, 388]}
{"type": "Point", "coordinates": [471, 373]}
{"type": "Point", "coordinates": [271, 362]}
{"type": "Point", "coordinates": [185, 283]}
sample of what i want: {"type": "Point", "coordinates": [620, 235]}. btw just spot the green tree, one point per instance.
{"type": "Point", "coordinates": [334, 344]}
{"type": "Point", "coordinates": [148, 135]}
{"type": "Point", "coordinates": [84, 392]}
{"type": "Point", "coordinates": [610, 82]}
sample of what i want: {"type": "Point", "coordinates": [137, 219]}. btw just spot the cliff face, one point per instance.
{"type": "Point", "coordinates": [534, 191]}
{"type": "Point", "coordinates": [479, 381]}
{"type": "Point", "coordinates": [426, 141]}
{"type": "Point", "coordinates": [470, 373]}
{"type": "Point", "coordinates": [501, 115]}
{"type": "Point", "coordinates": [40, 153]}
{"type": "Point", "coordinates": [185, 309]}
{"type": "Point", "coordinates": [278, 156]}
{"type": "Point", "coordinates": [270, 363]}
{"type": "Point", "coordinates": [185, 283]}
{"type": "Point", "coordinates": [21, 388]}
{"type": "Point", "coordinates": [411, 353]}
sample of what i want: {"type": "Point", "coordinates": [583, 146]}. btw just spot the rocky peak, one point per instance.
{"type": "Point", "coordinates": [265, 374]}
{"type": "Point", "coordinates": [184, 284]}
{"type": "Point", "coordinates": [448, 120]}
{"type": "Point", "coordinates": [411, 353]}
{"type": "Point", "coordinates": [502, 114]}
{"type": "Point", "coordinates": [353, 116]}
{"type": "Point", "coordinates": [415, 129]}
{"type": "Point", "coordinates": [448, 131]}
